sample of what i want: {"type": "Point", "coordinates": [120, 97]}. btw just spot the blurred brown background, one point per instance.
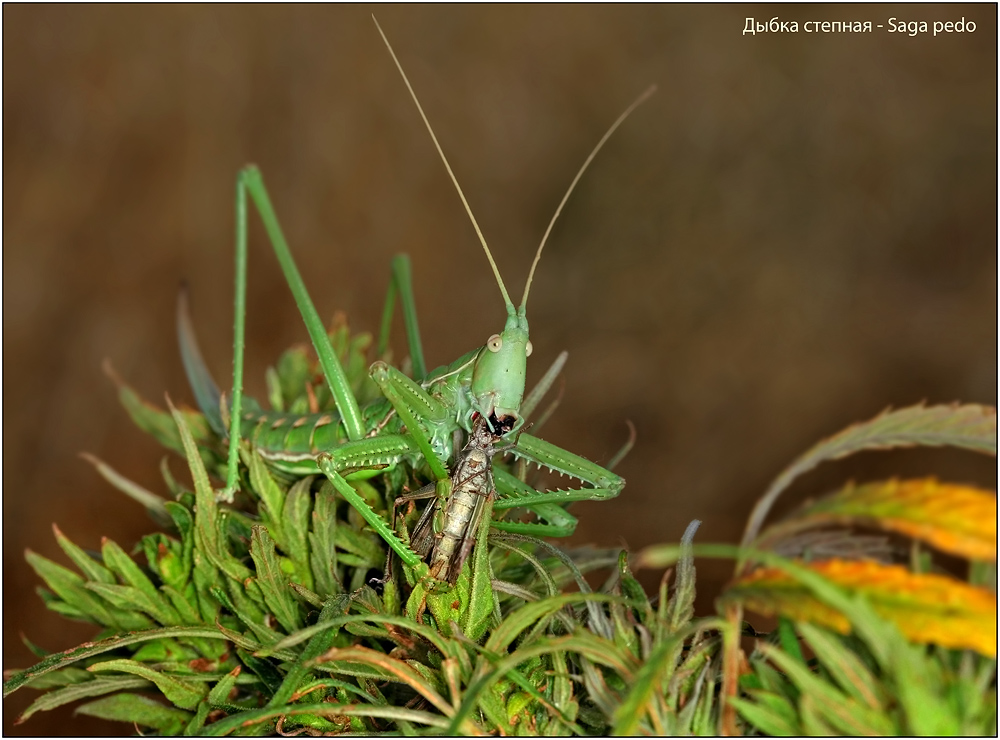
{"type": "Point", "coordinates": [796, 232]}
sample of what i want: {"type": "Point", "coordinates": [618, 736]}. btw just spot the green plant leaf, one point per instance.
{"type": "Point", "coordinates": [138, 709]}
{"type": "Point", "coordinates": [272, 581]}
{"type": "Point", "coordinates": [264, 669]}
{"type": "Point", "coordinates": [206, 579]}
{"type": "Point", "coordinates": [831, 706]}
{"type": "Point", "coordinates": [681, 607]}
{"type": "Point", "coordinates": [246, 611]}
{"type": "Point", "coordinates": [76, 691]}
{"type": "Point", "coordinates": [153, 504]}
{"type": "Point", "coordinates": [653, 674]}
{"type": "Point", "coordinates": [197, 722]}
{"type": "Point", "coordinates": [362, 544]}
{"type": "Point", "coordinates": [59, 678]}
{"type": "Point", "coordinates": [207, 516]}
{"type": "Point", "coordinates": [926, 607]}
{"type": "Point", "coordinates": [154, 420]}
{"type": "Point", "coordinates": [845, 667]}
{"type": "Point", "coordinates": [272, 497]}
{"type": "Point", "coordinates": [219, 695]}
{"type": "Point", "coordinates": [91, 649]}
{"type": "Point", "coordinates": [770, 714]}
{"type": "Point", "coordinates": [318, 644]}
{"type": "Point", "coordinates": [184, 522]}
{"type": "Point", "coordinates": [389, 666]}
{"type": "Point", "coordinates": [252, 717]}
{"type": "Point", "coordinates": [90, 566]}
{"type": "Point", "coordinates": [295, 515]}
{"type": "Point", "coordinates": [71, 588]}
{"type": "Point", "coordinates": [128, 598]}
{"type": "Point", "coordinates": [188, 612]}
{"type": "Point", "coordinates": [120, 563]}
{"type": "Point", "coordinates": [520, 619]}
{"type": "Point", "coordinates": [493, 666]}
{"type": "Point", "coordinates": [184, 693]}
{"type": "Point", "coordinates": [322, 541]}
{"type": "Point", "coordinates": [477, 616]}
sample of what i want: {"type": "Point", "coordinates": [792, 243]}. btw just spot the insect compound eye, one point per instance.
{"type": "Point", "coordinates": [527, 349]}
{"type": "Point", "coordinates": [494, 343]}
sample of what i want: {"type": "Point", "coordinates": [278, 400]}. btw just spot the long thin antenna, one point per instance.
{"type": "Point", "coordinates": [475, 224]}
{"type": "Point", "coordinates": [638, 101]}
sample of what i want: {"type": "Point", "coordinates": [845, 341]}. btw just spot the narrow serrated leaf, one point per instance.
{"type": "Point", "coordinates": [76, 691]}
{"type": "Point", "coordinates": [833, 707]}
{"type": "Point", "coordinates": [70, 587]}
{"type": "Point", "coordinates": [295, 516]}
{"type": "Point", "coordinates": [92, 568]}
{"type": "Point", "coordinates": [272, 581]}
{"type": "Point", "coordinates": [175, 488]}
{"type": "Point", "coordinates": [318, 644]}
{"type": "Point", "coordinates": [398, 669]}
{"type": "Point", "coordinates": [519, 620]}
{"type": "Point", "coordinates": [36, 650]}
{"type": "Point", "coordinates": [63, 677]}
{"type": "Point", "coordinates": [768, 714]}
{"type": "Point", "coordinates": [961, 520]}
{"type": "Point", "coordinates": [927, 608]}
{"type": "Point", "coordinates": [476, 617]}
{"type": "Point", "coordinates": [150, 501]}
{"type": "Point", "coordinates": [205, 578]}
{"type": "Point", "coordinates": [322, 541]}
{"type": "Point", "coordinates": [263, 668]}
{"type": "Point", "coordinates": [138, 709]}
{"type": "Point", "coordinates": [187, 610]}
{"type": "Point", "coordinates": [207, 524]}
{"type": "Point", "coordinates": [183, 693]}
{"type": "Point", "coordinates": [193, 728]}
{"type": "Point", "coordinates": [219, 695]}
{"type": "Point", "coordinates": [184, 522]}
{"type": "Point", "coordinates": [248, 612]}
{"type": "Point", "coordinates": [70, 612]}
{"type": "Point", "coordinates": [361, 544]}
{"type": "Point", "coordinates": [971, 427]}
{"type": "Point", "coordinates": [250, 718]}
{"type": "Point", "coordinates": [651, 675]}
{"type": "Point", "coordinates": [125, 598]}
{"type": "Point", "coordinates": [120, 563]}
{"type": "Point", "coordinates": [90, 649]}
{"type": "Point", "coordinates": [153, 420]}
{"type": "Point", "coordinates": [272, 497]}
{"type": "Point", "coordinates": [844, 666]}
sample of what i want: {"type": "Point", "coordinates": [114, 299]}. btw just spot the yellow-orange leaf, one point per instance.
{"type": "Point", "coordinates": [926, 608]}
{"type": "Point", "coordinates": [957, 519]}
{"type": "Point", "coordinates": [971, 427]}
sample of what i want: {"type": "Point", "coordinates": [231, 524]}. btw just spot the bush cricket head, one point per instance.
{"type": "Point", "coordinates": [499, 372]}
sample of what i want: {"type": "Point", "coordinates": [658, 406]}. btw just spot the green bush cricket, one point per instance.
{"type": "Point", "coordinates": [416, 419]}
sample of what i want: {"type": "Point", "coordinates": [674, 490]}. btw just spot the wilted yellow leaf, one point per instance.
{"type": "Point", "coordinates": [926, 608]}
{"type": "Point", "coordinates": [972, 427]}
{"type": "Point", "coordinates": [957, 519]}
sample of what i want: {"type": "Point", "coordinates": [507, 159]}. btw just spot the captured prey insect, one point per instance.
{"type": "Point", "coordinates": [447, 527]}
{"type": "Point", "coordinates": [415, 420]}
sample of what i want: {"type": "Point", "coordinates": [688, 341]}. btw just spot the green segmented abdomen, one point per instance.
{"type": "Point", "coordinates": [297, 435]}
{"type": "Point", "coordinates": [291, 442]}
